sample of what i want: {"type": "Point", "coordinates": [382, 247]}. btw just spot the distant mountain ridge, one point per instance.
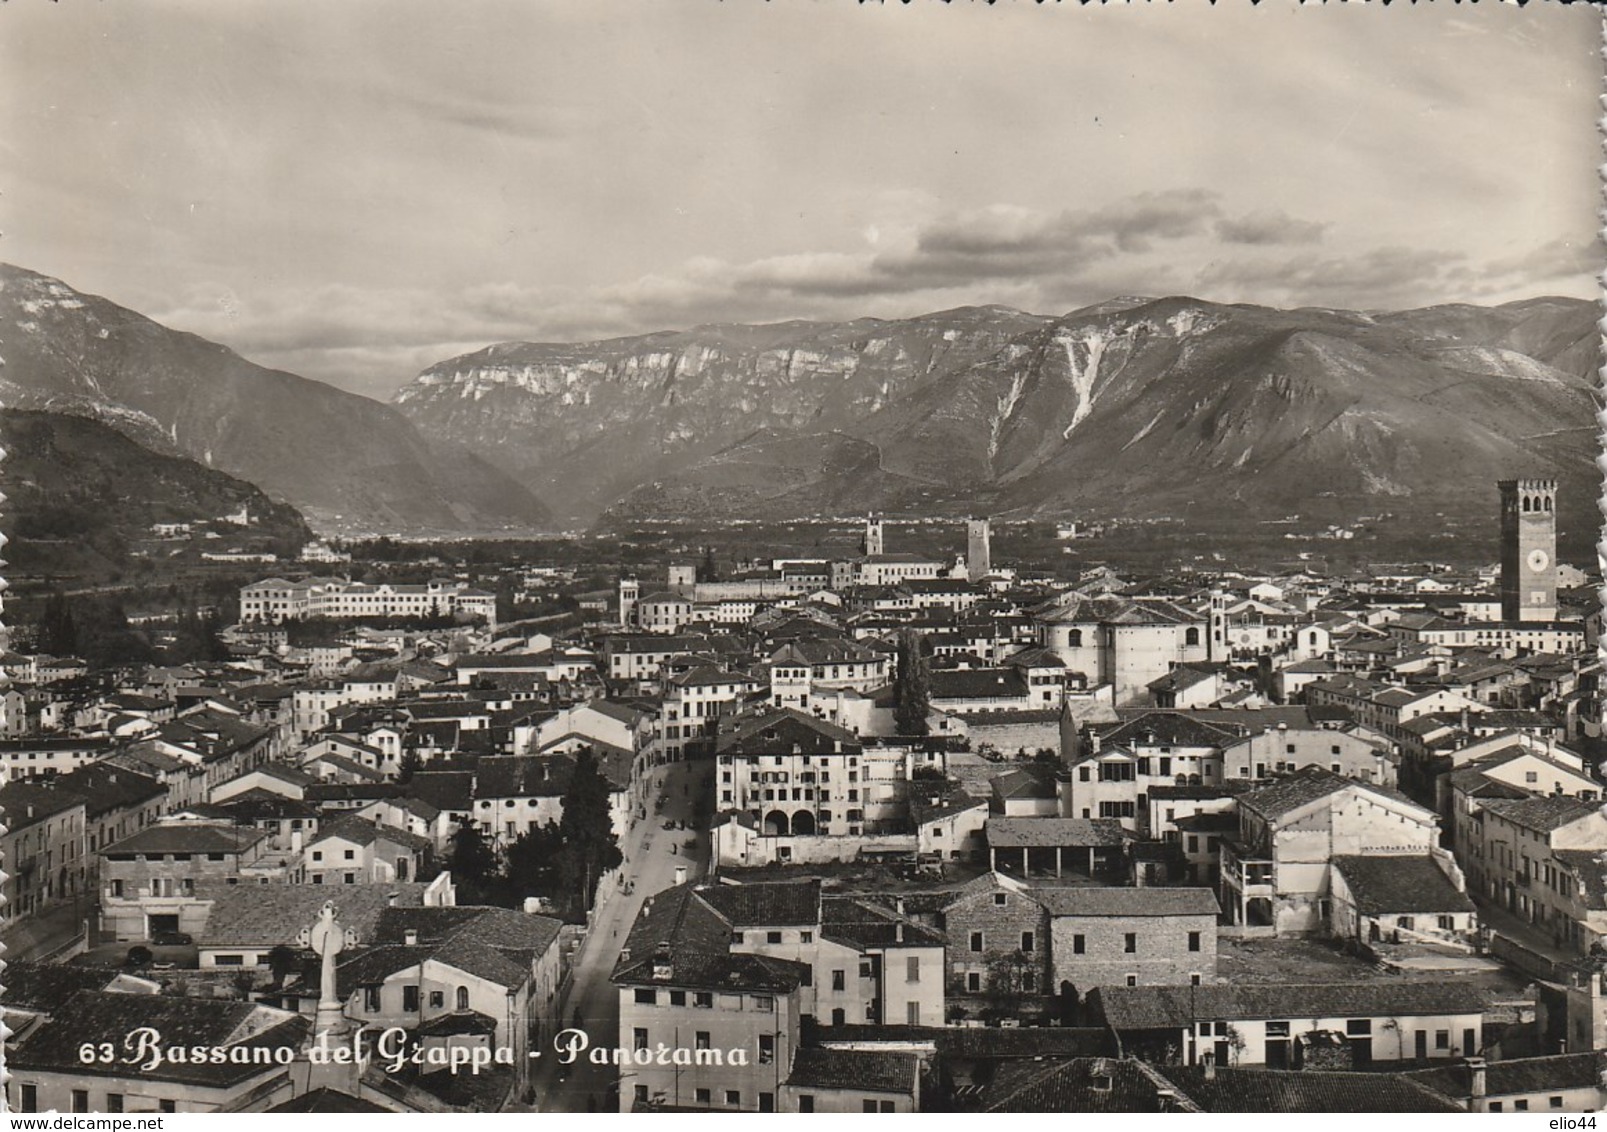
{"type": "Point", "coordinates": [1135, 405]}
{"type": "Point", "coordinates": [331, 453]}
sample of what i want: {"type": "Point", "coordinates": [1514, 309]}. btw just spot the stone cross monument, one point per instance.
{"type": "Point", "coordinates": [328, 938]}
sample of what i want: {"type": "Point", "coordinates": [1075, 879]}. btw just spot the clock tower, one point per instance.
{"type": "Point", "coordinates": [1528, 550]}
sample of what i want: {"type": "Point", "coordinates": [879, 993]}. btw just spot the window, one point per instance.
{"type": "Point", "coordinates": [764, 1002]}
{"type": "Point", "coordinates": [1531, 776]}
{"type": "Point", "coordinates": [1495, 1106]}
{"type": "Point", "coordinates": [639, 1037]}
{"type": "Point", "coordinates": [1082, 774]}
{"type": "Point", "coordinates": [733, 1098]}
{"type": "Point", "coordinates": [1194, 941]}
{"type": "Point", "coordinates": [701, 1096]}
{"type": "Point", "coordinates": [1359, 1027]}
{"type": "Point", "coordinates": [1194, 979]}
{"type": "Point", "coordinates": [438, 999]}
{"type": "Point", "coordinates": [767, 1049]}
{"type": "Point", "coordinates": [409, 999]}
{"type": "Point", "coordinates": [647, 996]}
{"type": "Point", "coordinates": [1130, 943]}
{"type": "Point", "coordinates": [1079, 945]}
{"type": "Point", "coordinates": [1521, 1105]}
{"type": "Point", "coordinates": [867, 1106]}
{"type": "Point", "coordinates": [114, 1102]}
{"type": "Point", "coordinates": [1000, 899]}
{"type": "Point", "coordinates": [1132, 980]}
{"type": "Point", "coordinates": [641, 1093]}
{"type": "Point", "coordinates": [973, 982]}
{"type": "Point", "coordinates": [704, 999]}
{"type": "Point", "coordinates": [1442, 1039]}
{"type": "Point", "coordinates": [371, 999]}
{"type": "Point", "coordinates": [912, 1013]}
{"type": "Point", "coordinates": [976, 941]}
{"type": "Point", "coordinates": [772, 937]}
{"type": "Point", "coordinates": [806, 1102]}
{"type": "Point", "coordinates": [30, 1098]}
{"type": "Point", "coordinates": [1554, 1102]}
{"type": "Point", "coordinates": [700, 1040]}
{"type": "Point", "coordinates": [839, 980]}
{"type": "Point", "coordinates": [807, 937]}
{"type": "Point", "coordinates": [912, 969]}
{"type": "Point", "coordinates": [318, 854]}
{"type": "Point", "coordinates": [1447, 923]}
{"type": "Point", "coordinates": [737, 937]}
{"type": "Point", "coordinates": [1029, 982]}
{"type": "Point", "coordinates": [80, 1100]}
{"type": "Point", "coordinates": [1027, 942]}
{"type": "Point", "coordinates": [167, 1106]}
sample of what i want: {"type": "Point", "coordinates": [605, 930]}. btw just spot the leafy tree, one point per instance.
{"type": "Point", "coordinates": [1070, 1005]}
{"type": "Point", "coordinates": [472, 860]}
{"type": "Point", "coordinates": [1007, 982]}
{"type": "Point", "coordinates": [590, 848]}
{"type": "Point", "coordinates": [912, 688]}
{"type": "Point", "coordinates": [282, 963]}
{"type": "Point", "coordinates": [58, 633]}
{"type": "Point", "coordinates": [139, 956]}
{"type": "Point", "coordinates": [535, 863]}
{"type": "Point", "coordinates": [410, 765]}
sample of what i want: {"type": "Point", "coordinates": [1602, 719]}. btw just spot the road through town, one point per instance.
{"type": "Point", "coordinates": [652, 855]}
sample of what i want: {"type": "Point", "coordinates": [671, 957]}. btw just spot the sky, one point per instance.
{"type": "Point", "coordinates": [355, 190]}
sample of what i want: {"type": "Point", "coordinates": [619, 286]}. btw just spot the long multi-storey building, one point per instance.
{"type": "Point", "coordinates": [273, 600]}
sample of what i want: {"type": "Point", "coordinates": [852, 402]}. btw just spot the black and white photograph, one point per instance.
{"type": "Point", "coordinates": [801, 557]}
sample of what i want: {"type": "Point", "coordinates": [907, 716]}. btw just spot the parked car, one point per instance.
{"type": "Point", "coordinates": [171, 939]}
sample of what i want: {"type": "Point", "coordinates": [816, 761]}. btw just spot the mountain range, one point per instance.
{"type": "Point", "coordinates": [1136, 406]}
{"type": "Point", "coordinates": [1144, 407]}
{"type": "Point", "coordinates": [340, 458]}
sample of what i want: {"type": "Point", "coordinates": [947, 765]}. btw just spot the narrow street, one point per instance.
{"type": "Point", "coordinates": [650, 866]}
{"type": "Point", "coordinates": [45, 934]}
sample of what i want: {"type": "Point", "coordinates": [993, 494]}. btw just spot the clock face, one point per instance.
{"type": "Point", "coordinates": [1538, 560]}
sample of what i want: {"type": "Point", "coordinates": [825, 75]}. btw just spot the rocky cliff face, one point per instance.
{"type": "Point", "coordinates": [1138, 406]}
{"type": "Point", "coordinates": [331, 453]}
{"type": "Point", "coordinates": [586, 424]}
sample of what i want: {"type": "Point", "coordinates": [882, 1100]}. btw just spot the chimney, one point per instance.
{"type": "Point", "coordinates": [1165, 1100]}
{"type": "Point", "coordinates": [1476, 1083]}
{"type": "Point", "coordinates": [1208, 1063]}
{"type": "Point", "coordinates": [410, 937]}
{"type": "Point", "coordinates": [898, 933]}
{"type": "Point", "coordinates": [391, 898]}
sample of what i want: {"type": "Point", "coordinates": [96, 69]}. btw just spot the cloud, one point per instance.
{"type": "Point", "coordinates": [1269, 228]}
{"type": "Point", "coordinates": [373, 340]}
{"type": "Point", "coordinates": [1379, 277]}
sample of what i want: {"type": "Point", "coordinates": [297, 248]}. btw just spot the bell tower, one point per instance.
{"type": "Point", "coordinates": [1528, 550]}
{"type": "Point", "coordinates": [873, 536]}
{"type": "Point", "coordinates": [978, 551]}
